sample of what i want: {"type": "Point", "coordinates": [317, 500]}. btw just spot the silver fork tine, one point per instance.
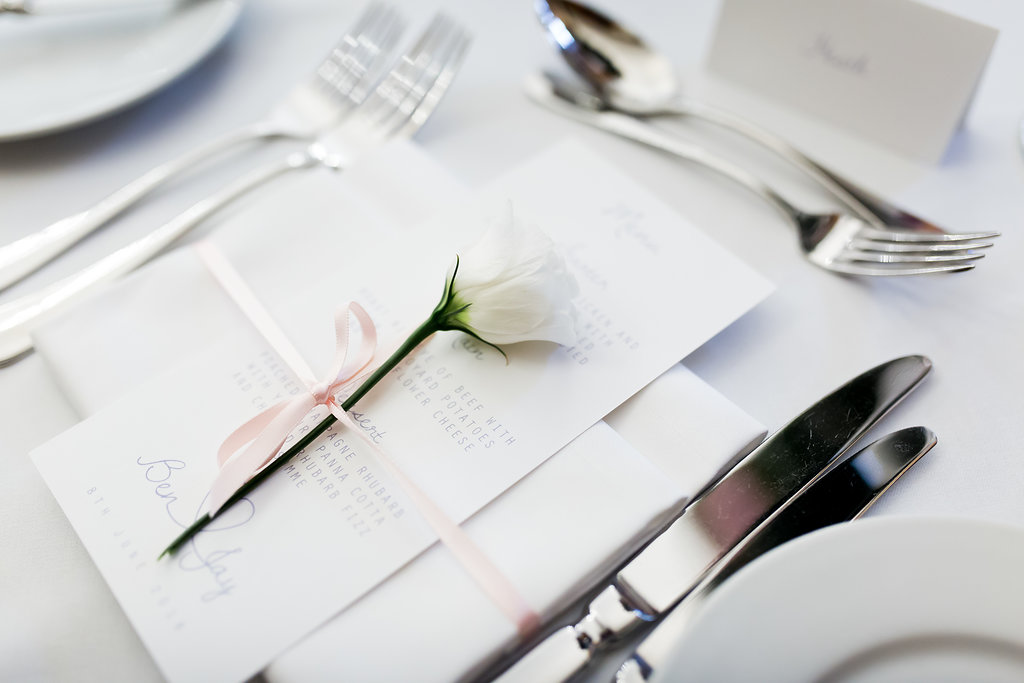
{"type": "Point", "coordinates": [439, 87]}
{"type": "Point", "coordinates": [351, 65]}
{"type": "Point", "coordinates": [389, 95]}
{"type": "Point", "coordinates": [911, 247]}
{"type": "Point", "coordinates": [856, 269]}
{"type": "Point", "coordinates": [881, 257]}
{"type": "Point", "coordinates": [405, 100]}
{"type": "Point", "coordinates": [432, 83]}
{"type": "Point", "coordinates": [908, 236]}
{"type": "Point", "coordinates": [394, 92]}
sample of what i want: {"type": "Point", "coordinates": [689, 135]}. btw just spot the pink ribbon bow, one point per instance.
{"type": "Point", "coordinates": [267, 432]}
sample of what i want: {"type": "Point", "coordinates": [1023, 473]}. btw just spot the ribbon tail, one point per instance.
{"type": "Point", "coordinates": [487, 575]}
{"type": "Point", "coordinates": [274, 425]}
{"type": "Point", "coordinates": [247, 432]}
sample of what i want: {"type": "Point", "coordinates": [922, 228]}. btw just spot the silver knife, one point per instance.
{"type": "Point", "coordinates": [720, 517]}
{"type": "Point", "coordinates": [842, 494]}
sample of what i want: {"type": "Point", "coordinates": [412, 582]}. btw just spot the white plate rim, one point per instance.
{"type": "Point", "coordinates": [105, 106]}
{"type": "Point", "coordinates": [766, 635]}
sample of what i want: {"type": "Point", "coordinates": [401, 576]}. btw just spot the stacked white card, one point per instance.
{"type": "Point", "coordinates": [165, 366]}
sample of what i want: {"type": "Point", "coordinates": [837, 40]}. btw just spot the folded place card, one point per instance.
{"type": "Point", "coordinates": [895, 72]}
{"type": "Point", "coordinates": [332, 525]}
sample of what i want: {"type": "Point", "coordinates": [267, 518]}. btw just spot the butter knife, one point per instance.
{"type": "Point", "coordinates": [717, 520]}
{"type": "Point", "coordinates": [842, 494]}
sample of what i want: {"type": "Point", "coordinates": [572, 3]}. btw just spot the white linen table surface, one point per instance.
{"type": "Point", "coordinates": [814, 331]}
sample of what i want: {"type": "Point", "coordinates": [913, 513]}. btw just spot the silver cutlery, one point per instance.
{"type": "Point", "coordinates": [838, 242]}
{"type": "Point", "coordinates": [629, 76]}
{"type": "Point", "coordinates": [337, 85]}
{"type": "Point", "coordinates": [718, 520]}
{"type": "Point", "coordinates": [397, 108]}
{"type": "Point", "coordinates": [843, 494]}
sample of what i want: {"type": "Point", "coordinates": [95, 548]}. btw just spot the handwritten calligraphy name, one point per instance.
{"type": "Point", "coordinates": [824, 49]}
{"type": "Point", "coordinates": [197, 557]}
{"type": "Point", "coordinates": [159, 472]}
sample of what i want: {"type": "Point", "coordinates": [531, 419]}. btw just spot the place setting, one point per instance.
{"type": "Point", "coordinates": [554, 437]}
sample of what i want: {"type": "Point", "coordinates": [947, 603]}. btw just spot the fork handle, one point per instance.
{"type": "Point", "coordinates": [868, 206]}
{"type": "Point", "coordinates": [18, 318]}
{"type": "Point", "coordinates": [29, 253]}
{"type": "Point", "coordinates": [660, 140]}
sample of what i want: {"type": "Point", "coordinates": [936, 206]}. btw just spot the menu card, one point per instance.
{"type": "Point", "coordinates": [331, 525]}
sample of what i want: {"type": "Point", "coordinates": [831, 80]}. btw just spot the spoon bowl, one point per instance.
{"type": "Point", "coordinates": [612, 59]}
{"type": "Point", "coordinates": [629, 76]}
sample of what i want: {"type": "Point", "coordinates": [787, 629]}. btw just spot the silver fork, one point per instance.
{"type": "Point", "coordinates": [397, 108]}
{"type": "Point", "coordinates": [339, 83]}
{"type": "Point", "coordinates": [839, 242]}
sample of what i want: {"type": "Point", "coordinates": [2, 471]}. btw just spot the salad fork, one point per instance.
{"type": "Point", "coordinates": [339, 83]}
{"type": "Point", "coordinates": [397, 108]}
{"type": "Point", "coordinates": [839, 242]}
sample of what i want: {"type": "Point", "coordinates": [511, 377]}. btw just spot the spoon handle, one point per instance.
{"type": "Point", "coordinates": [868, 206]}
{"type": "Point", "coordinates": [540, 90]}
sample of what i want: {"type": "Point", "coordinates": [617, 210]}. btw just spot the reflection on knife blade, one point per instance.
{"type": "Point", "coordinates": [842, 494]}
{"type": "Point", "coordinates": [678, 558]}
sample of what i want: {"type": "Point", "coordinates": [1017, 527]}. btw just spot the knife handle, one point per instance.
{"type": "Point", "coordinates": [570, 648]}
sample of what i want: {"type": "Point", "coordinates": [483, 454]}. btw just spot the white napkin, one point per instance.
{"type": "Point", "coordinates": [553, 533]}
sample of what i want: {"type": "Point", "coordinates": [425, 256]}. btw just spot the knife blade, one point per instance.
{"type": "Point", "coordinates": [784, 465]}
{"type": "Point", "coordinates": [842, 494]}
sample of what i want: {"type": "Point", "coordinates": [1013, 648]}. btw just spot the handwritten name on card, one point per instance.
{"type": "Point", "coordinates": [895, 72]}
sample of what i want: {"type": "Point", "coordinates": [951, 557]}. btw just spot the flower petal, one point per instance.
{"type": "Point", "coordinates": [513, 286]}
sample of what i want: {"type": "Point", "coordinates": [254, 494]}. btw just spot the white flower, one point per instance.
{"type": "Point", "coordinates": [511, 286]}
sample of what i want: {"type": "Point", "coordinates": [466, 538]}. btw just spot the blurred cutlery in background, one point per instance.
{"type": "Point", "coordinates": [337, 85]}
{"type": "Point", "coordinates": [398, 107]}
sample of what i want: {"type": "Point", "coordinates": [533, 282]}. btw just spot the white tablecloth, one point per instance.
{"type": "Point", "coordinates": [815, 331]}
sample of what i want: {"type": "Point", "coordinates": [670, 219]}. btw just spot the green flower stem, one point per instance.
{"type": "Point", "coordinates": [420, 334]}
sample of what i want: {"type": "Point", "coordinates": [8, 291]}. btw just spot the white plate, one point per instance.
{"type": "Point", "coordinates": [887, 599]}
{"type": "Point", "coordinates": [60, 71]}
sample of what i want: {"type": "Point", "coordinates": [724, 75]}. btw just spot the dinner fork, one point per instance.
{"type": "Point", "coordinates": [397, 108]}
{"type": "Point", "coordinates": [839, 242]}
{"type": "Point", "coordinates": [339, 83]}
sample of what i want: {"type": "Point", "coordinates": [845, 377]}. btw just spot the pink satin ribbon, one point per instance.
{"type": "Point", "coordinates": [266, 433]}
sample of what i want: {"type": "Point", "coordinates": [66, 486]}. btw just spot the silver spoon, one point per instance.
{"type": "Point", "coordinates": [630, 77]}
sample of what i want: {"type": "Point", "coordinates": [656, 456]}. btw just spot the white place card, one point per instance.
{"type": "Point", "coordinates": [461, 422]}
{"type": "Point", "coordinates": [895, 72]}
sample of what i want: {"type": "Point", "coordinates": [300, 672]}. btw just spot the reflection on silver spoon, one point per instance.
{"type": "Point", "coordinates": [629, 76]}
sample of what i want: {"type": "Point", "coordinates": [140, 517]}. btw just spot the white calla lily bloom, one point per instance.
{"type": "Point", "coordinates": [511, 286]}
